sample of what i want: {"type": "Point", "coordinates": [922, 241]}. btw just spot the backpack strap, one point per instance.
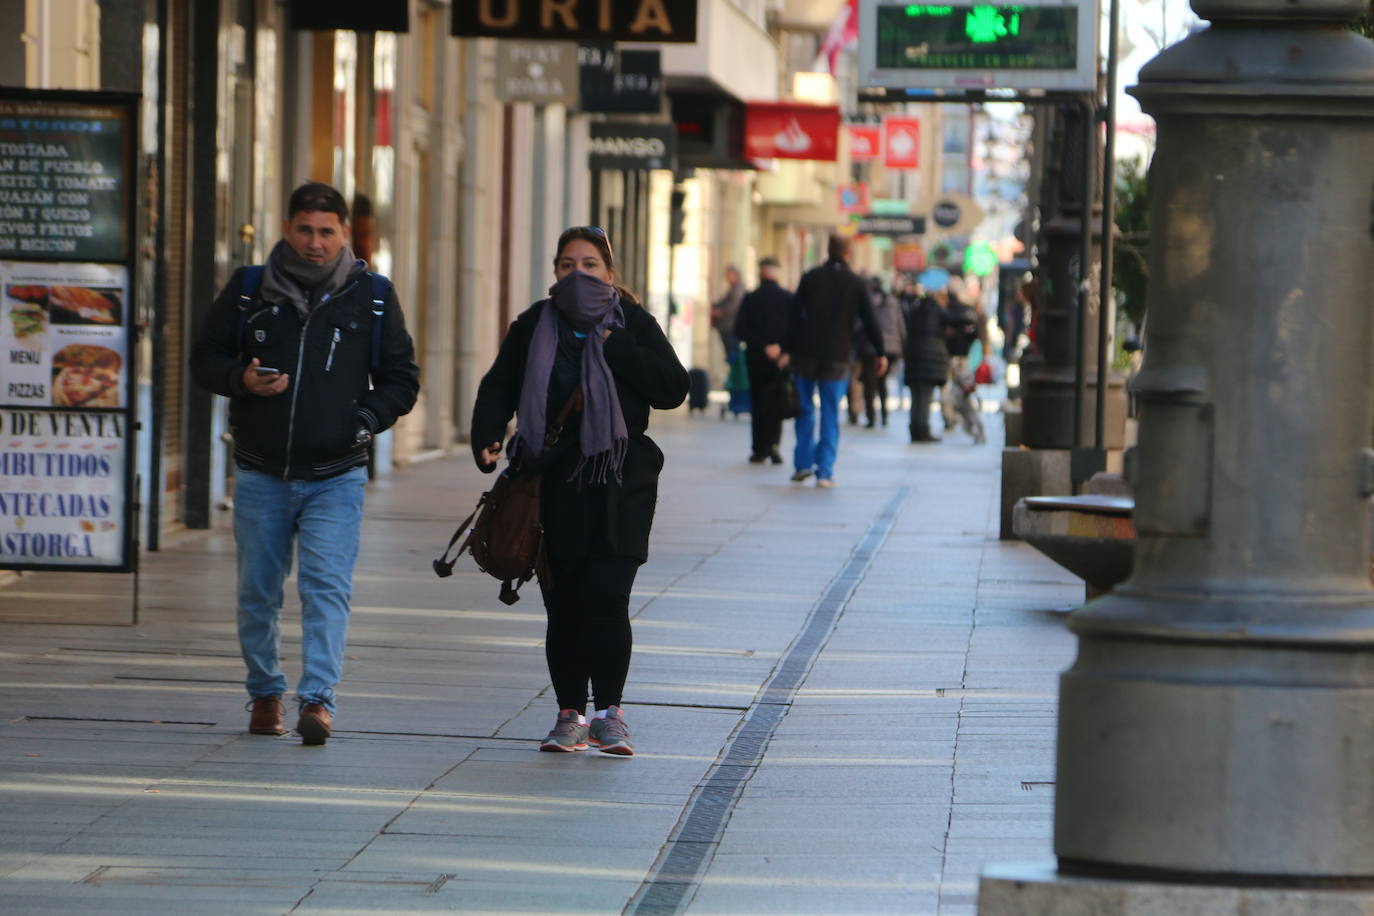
{"type": "Point", "coordinates": [250, 281]}
{"type": "Point", "coordinates": [380, 287]}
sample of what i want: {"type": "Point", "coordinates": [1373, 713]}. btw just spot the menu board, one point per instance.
{"type": "Point", "coordinates": [63, 341]}
{"type": "Point", "coordinates": [67, 344]}
{"type": "Point", "coordinates": [63, 180]}
{"type": "Point", "coordinates": [62, 478]}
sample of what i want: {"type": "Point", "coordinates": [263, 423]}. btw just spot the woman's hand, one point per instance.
{"type": "Point", "coordinates": [490, 454]}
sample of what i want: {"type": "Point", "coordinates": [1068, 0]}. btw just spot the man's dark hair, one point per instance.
{"type": "Point", "coordinates": [838, 247]}
{"type": "Point", "coordinates": [316, 196]}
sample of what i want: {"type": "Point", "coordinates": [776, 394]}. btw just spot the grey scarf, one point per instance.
{"type": "Point", "coordinates": [590, 306]}
{"type": "Point", "coordinates": [288, 277]}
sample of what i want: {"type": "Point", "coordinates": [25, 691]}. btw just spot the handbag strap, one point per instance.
{"type": "Point", "coordinates": [555, 429]}
{"type": "Point", "coordinates": [443, 567]}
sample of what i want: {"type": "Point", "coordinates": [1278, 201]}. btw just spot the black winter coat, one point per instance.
{"type": "Point", "coordinates": [763, 315]}
{"type": "Point", "coordinates": [925, 357]}
{"type": "Point", "coordinates": [962, 330]}
{"type": "Point", "coordinates": [309, 431]}
{"type": "Point", "coordinates": [612, 518]}
{"type": "Point", "coordinates": [820, 337]}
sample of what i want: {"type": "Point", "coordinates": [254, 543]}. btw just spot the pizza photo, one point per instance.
{"type": "Point", "coordinates": [86, 375]}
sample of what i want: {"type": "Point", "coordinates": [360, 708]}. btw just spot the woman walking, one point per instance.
{"type": "Point", "coordinates": [591, 354]}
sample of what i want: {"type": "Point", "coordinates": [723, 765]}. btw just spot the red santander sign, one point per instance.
{"type": "Point", "coordinates": [865, 142]}
{"type": "Point", "coordinates": [786, 130]}
{"type": "Point", "coordinates": [901, 142]}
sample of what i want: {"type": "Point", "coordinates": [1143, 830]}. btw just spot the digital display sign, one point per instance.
{"type": "Point", "coordinates": [907, 50]}
{"type": "Point", "coordinates": [977, 37]}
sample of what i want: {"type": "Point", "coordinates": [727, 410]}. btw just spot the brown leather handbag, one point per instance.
{"type": "Point", "coordinates": [507, 536]}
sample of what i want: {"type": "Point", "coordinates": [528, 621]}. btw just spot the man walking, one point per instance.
{"type": "Point", "coordinates": [294, 345]}
{"type": "Point", "coordinates": [820, 344]}
{"type": "Point", "coordinates": [762, 325]}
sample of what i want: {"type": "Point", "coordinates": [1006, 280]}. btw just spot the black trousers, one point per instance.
{"type": "Point", "coordinates": [588, 639]}
{"type": "Point", "coordinates": [765, 421]}
{"type": "Point", "coordinates": [922, 395]}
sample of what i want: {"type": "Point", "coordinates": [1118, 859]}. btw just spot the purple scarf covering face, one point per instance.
{"type": "Point", "coordinates": [590, 306]}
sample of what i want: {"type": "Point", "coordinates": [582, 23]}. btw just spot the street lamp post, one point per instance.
{"type": "Point", "coordinates": [1217, 728]}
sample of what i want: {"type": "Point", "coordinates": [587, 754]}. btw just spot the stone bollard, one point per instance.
{"type": "Point", "coordinates": [1216, 732]}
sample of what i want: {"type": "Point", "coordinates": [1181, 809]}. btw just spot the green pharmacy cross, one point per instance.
{"type": "Point", "coordinates": [977, 37]}
{"type": "Point", "coordinates": [988, 23]}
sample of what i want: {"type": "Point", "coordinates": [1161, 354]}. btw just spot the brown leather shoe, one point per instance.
{"type": "Point", "coordinates": [266, 718]}
{"type": "Point", "coordinates": [313, 725]}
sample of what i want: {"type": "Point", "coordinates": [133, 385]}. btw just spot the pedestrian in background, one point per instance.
{"type": "Point", "coordinates": [724, 311]}
{"type": "Point", "coordinates": [762, 326]}
{"type": "Point", "coordinates": [313, 354]}
{"type": "Point", "coordinates": [599, 483]}
{"type": "Point", "coordinates": [820, 345]}
{"type": "Point", "coordinates": [964, 325]}
{"type": "Point", "coordinates": [887, 314]}
{"type": "Point", "coordinates": [926, 358]}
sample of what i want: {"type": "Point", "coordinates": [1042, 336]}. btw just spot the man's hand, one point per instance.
{"type": "Point", "coordinates": [882, 365]}
{"type": "Point", "coordinates": [772, 351]}
{"type": "Point", "coordinates": [783, 360]}
{"type": "Point", "coordinates": [490, 454]}
{"type": "Point", "coordinates": [264, 385]}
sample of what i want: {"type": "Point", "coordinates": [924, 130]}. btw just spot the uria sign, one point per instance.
{"type": "Point", "coordinates": [577, 20]}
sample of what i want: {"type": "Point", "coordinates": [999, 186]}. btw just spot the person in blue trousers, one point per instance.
{"type": "Point", "coordinates": [312, 351]}
{"type": "Point", "coordinates": [820, 349]}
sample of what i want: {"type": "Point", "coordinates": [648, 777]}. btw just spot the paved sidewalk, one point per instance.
{"type": "Point", "coordinates": [842, 702]}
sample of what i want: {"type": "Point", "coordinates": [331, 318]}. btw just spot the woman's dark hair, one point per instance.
{"type": "Point", "coordinates": [316, 196]}
{"type": "Point", "coordinates": [597, 237]}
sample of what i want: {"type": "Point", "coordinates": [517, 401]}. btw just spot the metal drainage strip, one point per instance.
{"type": "Point", "coordinates": [672, 881]}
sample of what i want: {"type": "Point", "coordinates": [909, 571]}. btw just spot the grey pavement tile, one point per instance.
{"type": "Point", "coordinates": [727, 899]}
{"type": "Point", "coordinates": [551, 861]}
{"type": "Point", "coordinates": [832, 871]}
{"type": "Point", "coordinates": [452, 814]}
{"type": "Point", "coordinates": [102, 902]}
{"type": "Point", "coordinates": [344, 897]}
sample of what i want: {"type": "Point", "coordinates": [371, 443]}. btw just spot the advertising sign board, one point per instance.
{"type": "Point", "coordinates": [542, 72]}
{"type": "Point", "coordinates": [787, 130]}
{"type": "Point", "coordinates": [67, 340]}
{"type": "Point", "coordinates": [623, 81]}
{"type": "Point", "coordinates": [891, 225]}
{"type": "Point", "coordinates": [630, 146]}
{"type": "Point", "coordinates": [865, 142]}
{"type": "Point", "coordinates": [853, 198]}
{"type": "Point", "coordinates": [901, 142]}
{"type": "Point", "coordinates": [1042, 45]}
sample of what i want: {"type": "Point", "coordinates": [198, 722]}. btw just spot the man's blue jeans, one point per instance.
{"type": "Point", "coordinates": [809, 453]}
{"type": "Point", "coordinates": [323, 518]}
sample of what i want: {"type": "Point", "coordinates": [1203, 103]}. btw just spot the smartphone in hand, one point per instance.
{"type": "Point", "coordinates": [264, 371]}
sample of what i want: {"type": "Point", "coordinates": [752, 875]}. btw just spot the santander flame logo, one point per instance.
{"type": "Point", "coordinates": [792, 139]}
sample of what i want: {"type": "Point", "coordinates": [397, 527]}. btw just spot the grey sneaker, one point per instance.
{"type": "Point", "coordinates": [799, 476]}
{"type": "Point", "coordinates": [611, 735]}
{"type": "Point", "coordinates": [568, 733]}
{"type": "Point", "coordinates": [825, 483]}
